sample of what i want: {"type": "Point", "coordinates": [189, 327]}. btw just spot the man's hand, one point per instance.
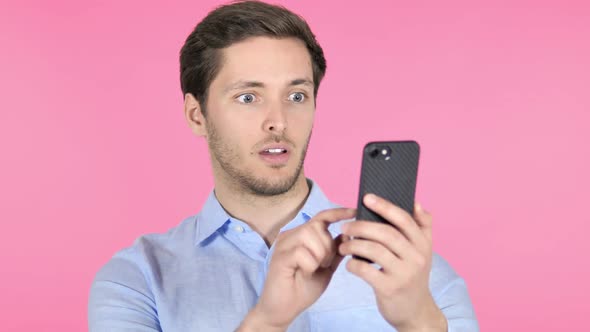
{"type": "Point", "coordinates": [404, 253]}
{"type": "Point", "coordinates": [302, 265]}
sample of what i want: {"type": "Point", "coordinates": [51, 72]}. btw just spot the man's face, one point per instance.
{"type": "Point", "coordinates": [260, 111]}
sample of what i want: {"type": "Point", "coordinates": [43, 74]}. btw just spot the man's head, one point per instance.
{"type": "Point", "coordinates": [250, 74]}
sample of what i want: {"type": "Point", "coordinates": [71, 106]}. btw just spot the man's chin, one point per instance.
{"type": "Point", "coordinates": [271, 184]}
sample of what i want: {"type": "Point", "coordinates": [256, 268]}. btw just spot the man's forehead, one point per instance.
{"type": "Point", "coordinates": [261, 61]}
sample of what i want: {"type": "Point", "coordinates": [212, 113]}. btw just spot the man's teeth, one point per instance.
{"type": "Point", "coordinates": [276, 150]}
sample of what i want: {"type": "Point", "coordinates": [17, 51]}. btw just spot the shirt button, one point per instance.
{"type": "Point", "coordinates": [239, 229]}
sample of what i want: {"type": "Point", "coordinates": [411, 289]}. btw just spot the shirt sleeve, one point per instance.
{"type": "Point", "coordinates": [451, 296]}
{"type": "Point", "coordinates": [120, 298]}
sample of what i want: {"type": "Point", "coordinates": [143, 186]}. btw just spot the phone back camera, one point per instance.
{"type": "Point", "coordinates": [381, 152]}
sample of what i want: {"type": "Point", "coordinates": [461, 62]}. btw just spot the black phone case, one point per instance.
{"type": "Point", "coordinates": [393, 179]}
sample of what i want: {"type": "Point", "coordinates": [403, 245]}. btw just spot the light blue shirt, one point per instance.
{"type": "Point", "coordinates": [206, 274]}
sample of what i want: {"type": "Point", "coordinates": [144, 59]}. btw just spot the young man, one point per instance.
{"type": "Point", "coordinates": [268, 251]}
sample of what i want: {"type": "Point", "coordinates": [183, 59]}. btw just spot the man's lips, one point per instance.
{"type": "Point", "coordinates": [275, 154]}
{"type": "Point", "coordinates": [274, 149]}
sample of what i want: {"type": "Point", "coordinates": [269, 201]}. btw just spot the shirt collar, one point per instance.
{"type": "Point", "coordinates": [316, 201]}
{"type": "Point", "coordinates": [213, 216]}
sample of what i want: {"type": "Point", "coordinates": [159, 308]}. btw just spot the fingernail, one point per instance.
{"type": "Point", "coordinates": [419, 207]}
{"type": "Point", "coordinates": [370, 199]}
{"type": "Point", "coordinates": [344, 228]}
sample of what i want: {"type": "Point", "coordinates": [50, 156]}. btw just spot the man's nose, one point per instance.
{"type": "Point", "coordinates": [276, 120]}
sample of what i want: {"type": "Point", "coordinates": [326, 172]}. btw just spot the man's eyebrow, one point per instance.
{"type": "Point", "coordinates": [243, 85]}
{"type": "Point", "coordinates": [256, 84]}
{"type": "Point", "coordinates": [302, 81]}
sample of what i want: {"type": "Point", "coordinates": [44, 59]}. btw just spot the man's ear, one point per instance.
{"type": "Point", "coordinates": [194, 115]}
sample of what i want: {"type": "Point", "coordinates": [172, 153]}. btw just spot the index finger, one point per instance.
{"type": "Point", "coordinates": [327, 217]}
{"type": "Point", "coordinates": [395, 215]}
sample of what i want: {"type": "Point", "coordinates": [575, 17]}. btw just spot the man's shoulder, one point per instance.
{"type": "Point", "coordinates": [148, 252]}
{"type": "Point", "coordinates": [442, 274]}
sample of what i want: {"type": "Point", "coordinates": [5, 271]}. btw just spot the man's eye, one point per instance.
{"type": "Point", "coordinates": [246, 98]}
{"type": "Point", "coordinates": [297, 97]}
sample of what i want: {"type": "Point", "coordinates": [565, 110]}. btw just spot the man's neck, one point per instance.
{"type": "Point", "coordinates": [265, 214]}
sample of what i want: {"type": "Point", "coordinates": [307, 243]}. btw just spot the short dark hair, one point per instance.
{"type": "Point", "coordinates": [200, 57]}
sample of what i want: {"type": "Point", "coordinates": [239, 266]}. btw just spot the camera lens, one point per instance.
{"type": "Point", "coordinates": [374, 153]}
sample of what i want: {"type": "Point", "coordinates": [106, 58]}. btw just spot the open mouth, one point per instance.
{"type": "Point", "coordinates": [275, 155]}
{"type": "Point", "coordinates": [274, 151]}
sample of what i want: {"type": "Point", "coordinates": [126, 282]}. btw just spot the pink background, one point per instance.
{"type": "Point", "coordinates": [95, 150]}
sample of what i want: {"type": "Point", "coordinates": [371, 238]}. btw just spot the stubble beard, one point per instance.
{"type": "Point", "coordinates": [229, 161]}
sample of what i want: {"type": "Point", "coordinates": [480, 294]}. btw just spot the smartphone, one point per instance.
{"type": "Point", "coordinates": [389, 170]}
